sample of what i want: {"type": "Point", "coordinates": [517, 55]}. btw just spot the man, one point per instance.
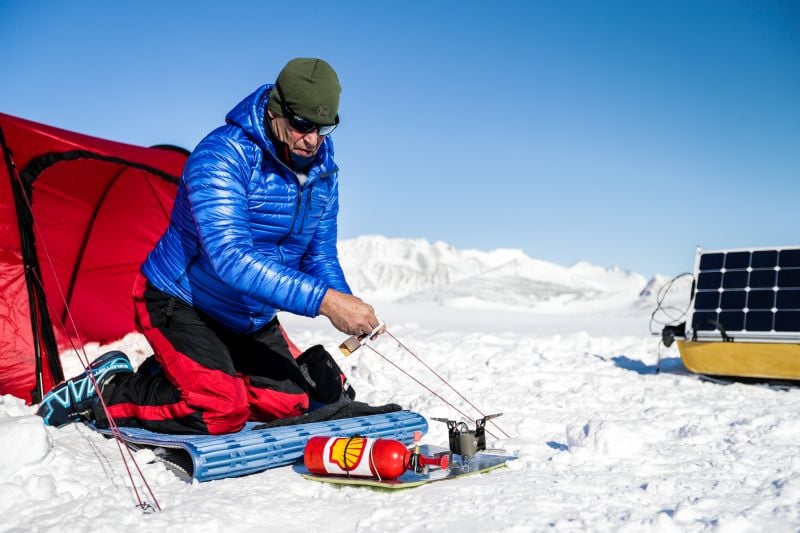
{"type": "Point", "coordinates": [253, 231]}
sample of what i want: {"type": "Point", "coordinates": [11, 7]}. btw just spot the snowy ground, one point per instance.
{"type": "Point", "coordinates": [604, 443]}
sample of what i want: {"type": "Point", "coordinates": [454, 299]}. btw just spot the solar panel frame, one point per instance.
{"type": "Point", "coordinates": [753, 293]}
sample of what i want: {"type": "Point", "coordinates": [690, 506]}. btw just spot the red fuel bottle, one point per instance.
{"type": "Point", "coordinates": [362, 457]}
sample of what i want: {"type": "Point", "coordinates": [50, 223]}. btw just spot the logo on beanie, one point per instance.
{"type": "Point", "coordinates": [324, 111]}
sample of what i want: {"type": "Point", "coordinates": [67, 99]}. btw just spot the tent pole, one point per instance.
{"type": "Point", "coordinates": [36, 302]}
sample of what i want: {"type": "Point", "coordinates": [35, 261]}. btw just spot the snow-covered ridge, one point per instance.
{"type": "Point", "coordinates": [418, 271]}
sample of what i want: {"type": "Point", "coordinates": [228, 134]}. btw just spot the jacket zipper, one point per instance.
{"type": "Point", "coordinates": [305, 210]}
{"type": "Point", "coordinates": [294, 220]}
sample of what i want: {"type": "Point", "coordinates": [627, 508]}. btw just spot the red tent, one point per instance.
{"type": "Point", "coordinates": [78, 215]}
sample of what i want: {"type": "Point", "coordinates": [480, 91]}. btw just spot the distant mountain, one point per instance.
{"type": "Point", "coordinates": [416, 270]}
{"type": "Point", "coordinates": [675, 296]}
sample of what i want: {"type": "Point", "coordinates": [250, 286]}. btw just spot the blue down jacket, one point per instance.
{"type": "Point", "coordinates": [245, 239]}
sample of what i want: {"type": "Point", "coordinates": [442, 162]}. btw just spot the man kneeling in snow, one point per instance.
{"type": "Point", "coordinates": [253, 231]}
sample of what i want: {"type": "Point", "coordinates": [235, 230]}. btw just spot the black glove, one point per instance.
{"type": "Point", "coordinates": [326, 381]}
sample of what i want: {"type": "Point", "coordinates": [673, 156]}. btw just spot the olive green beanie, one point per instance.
{"type": "Point", "coordinates": [311, 89]}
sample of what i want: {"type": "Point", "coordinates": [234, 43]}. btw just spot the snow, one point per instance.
{"type": "Point", "coordinates": [603, 441]}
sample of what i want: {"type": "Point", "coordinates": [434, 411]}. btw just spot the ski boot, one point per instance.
{"type": "Point", "coordinates": [73, 400]}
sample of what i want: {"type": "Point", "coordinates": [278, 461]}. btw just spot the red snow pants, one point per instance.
{"type": "Point", "coordinates": [204, 379]}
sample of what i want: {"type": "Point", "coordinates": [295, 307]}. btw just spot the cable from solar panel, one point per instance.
{"type": "Point", "coordinates": [668, 310]}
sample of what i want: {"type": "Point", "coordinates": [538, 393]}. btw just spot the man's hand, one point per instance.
{"type": "Point", "coordinates": [349, 314]}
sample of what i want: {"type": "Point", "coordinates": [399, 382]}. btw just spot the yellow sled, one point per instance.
{"type": "Point", "coordinates": [742, 359]}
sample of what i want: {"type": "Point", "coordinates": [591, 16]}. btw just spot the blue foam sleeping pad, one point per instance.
{"type": "Point", "coordinates": [209, 457]}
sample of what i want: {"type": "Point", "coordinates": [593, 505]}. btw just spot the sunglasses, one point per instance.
{"type": "Point", "coordinates": [299, 123]}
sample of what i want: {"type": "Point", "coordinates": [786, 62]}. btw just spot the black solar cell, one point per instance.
{"type": "Point", "coordinates": [787, 321]}
{"type": "Point", "coordinates": [707, 300]}
{"type": "Point", "coordinates": [704, 321]}
{"type": "Point", "coordinates": [733, 300]}
{"type": "Point", "coordinates": [712, 261]}
{"type": "Point", "coordinates": [764, 259]}
{"type": "Point", "coordinates": [735, 279]}
{"type": "Point", "coordinates": [789, 278]}
{"type": "Point", "coordinates": [735, 260]}
{"type": "Point", "coordinates": [759, 321]}
{"type": "Point", "coordinates": [761, 299]}
{"type": "Point", "coordinates": [788, 299]}
{"type": "Point", "coordinates": [732, 320]}
{"type": "Point", "coordinates": [789, 258]}
{"type": "Point", "coordinates": [709, 280]}
{"type": "Point", "coordinates": [762, 279]}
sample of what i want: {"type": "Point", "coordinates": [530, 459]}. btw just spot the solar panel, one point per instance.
{"type": "Point", "coordinates": [747, 294]}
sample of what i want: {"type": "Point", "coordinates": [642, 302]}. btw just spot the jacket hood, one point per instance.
{"type": "Point", "coordinates": [249, 116]}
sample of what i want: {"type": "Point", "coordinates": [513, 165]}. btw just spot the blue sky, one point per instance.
{"type": "Point", "coordinates": [622, 132]}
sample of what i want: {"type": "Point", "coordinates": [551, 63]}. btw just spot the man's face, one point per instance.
{"type": "Point", "coordinates": [302, 144]}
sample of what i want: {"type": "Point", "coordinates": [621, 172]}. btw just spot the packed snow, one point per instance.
{"type": "Point", "coordinates": [602, 440]}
